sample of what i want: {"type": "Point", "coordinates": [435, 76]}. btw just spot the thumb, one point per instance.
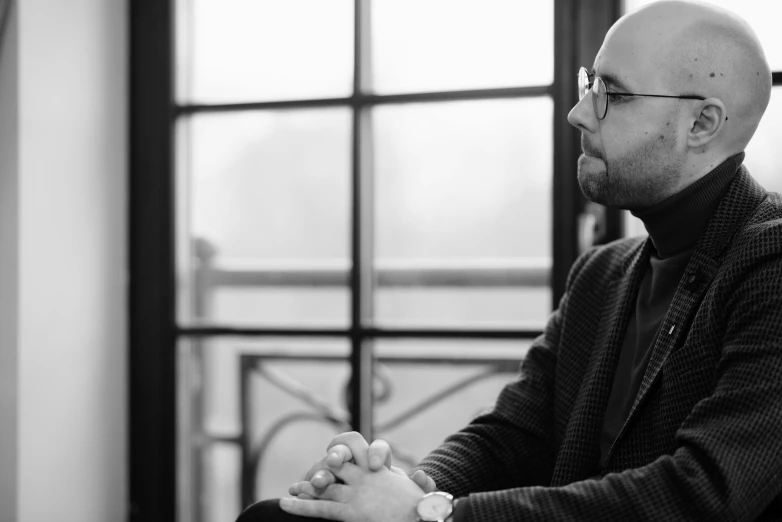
{"type": "Point", "coordinates": [379, 455]}
{"type": "Point", "coordinates": [424, 482]}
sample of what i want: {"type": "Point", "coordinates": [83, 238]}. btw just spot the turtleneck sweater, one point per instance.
{"type": "Point", "coordinates": [674, 226]}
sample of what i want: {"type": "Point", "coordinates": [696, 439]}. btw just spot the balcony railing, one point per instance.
{"type": "Point", "coordinates": [518, 272]}
{"type": "Point", "coordinates": [210, 275]}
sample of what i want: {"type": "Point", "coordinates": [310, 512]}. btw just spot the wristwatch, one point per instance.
{"type": "Point", "coordinates": [436, 506]}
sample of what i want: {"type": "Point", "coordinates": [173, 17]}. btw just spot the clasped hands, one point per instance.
{"type": "Point", "coordinates": [355, 482]}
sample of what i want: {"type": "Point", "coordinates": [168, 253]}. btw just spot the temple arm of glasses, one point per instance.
{"type": "Point", "coordinates": [656, 95]}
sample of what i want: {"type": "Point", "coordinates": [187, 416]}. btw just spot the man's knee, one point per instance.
{"type": "Point", "coordinates": [270, 511]}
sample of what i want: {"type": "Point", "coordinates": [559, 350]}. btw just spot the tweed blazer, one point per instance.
{"type": "Point", "coordinates": [703, 440]}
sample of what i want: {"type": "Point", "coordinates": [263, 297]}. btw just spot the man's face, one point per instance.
{"type": "Point", "coordinates": [633, 157]}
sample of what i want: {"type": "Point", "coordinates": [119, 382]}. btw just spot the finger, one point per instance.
{"type": "Point", "coordinates": [423, 481]}
{"type": "Point", "coordinates": [313, 508]}
{"type": "Point", "coordinates": [338, 454]}
{"type": "Point", "coordinates": [302, 496]}
{"type": "Point", "coordinates": [420, 478]}
{"type": "Point", "coordinates": [350, 473]}
{"type": "Point", "coordinates": [303, 489]}
{"type": "Point", "coordinates": [335, 492]}
{"type": "Point", "coordinates": [323, 479]}
{"type": "Point", "coordinates": [357, 445]}
{"type": "Point", "coordinates": [379, 454]}
{"type": "Point", "coordinates": [319, 465]}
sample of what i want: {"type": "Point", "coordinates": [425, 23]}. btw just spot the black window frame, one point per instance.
{"type": "Point", "coordinates": [579, 28]}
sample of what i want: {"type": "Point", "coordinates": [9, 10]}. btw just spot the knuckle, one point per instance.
{"type": "Point", "coordinates": [340, 449]}
{"type": "Point", "coordinates": [343, 438]}
{"type": "Point", "coordinates": [353, 436]}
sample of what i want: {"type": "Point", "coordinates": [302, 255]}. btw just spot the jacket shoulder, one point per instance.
{"type": "Point", "coordinates": [603, 263]}
{"type": "Point", "coordinates": [762, 232]}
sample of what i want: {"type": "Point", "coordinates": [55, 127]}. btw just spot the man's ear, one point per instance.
{"type": "Point", "coordinates": [709, 121]}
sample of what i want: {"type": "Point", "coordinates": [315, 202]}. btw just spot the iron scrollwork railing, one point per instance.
{"type": "Point", "coordinates": [208, 275]}
{"type": "Point", "coordinates": [253, 451]}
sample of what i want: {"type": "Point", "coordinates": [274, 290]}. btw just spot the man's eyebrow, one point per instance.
{"type": "Point", "coordinates": [610, 79]}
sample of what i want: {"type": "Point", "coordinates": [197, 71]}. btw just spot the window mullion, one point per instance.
{"type": "Point", "coordinates": [586, 23]}
{"type": "Point", "coordinates": [361, 358]}
{"type": "Point", "coordinates": [152, 318]}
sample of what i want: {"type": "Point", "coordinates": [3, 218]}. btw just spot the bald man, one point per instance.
{"type": "Point", "coordinates": [655, 392]}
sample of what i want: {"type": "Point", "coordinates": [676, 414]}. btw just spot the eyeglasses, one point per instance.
{"type": "Point", "coordinates": [600, 95]}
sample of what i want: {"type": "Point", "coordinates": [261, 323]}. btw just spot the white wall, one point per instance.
{"type": "Point", "coordinates": [69, 245]}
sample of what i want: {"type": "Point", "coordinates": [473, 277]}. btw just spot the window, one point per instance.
{"type": "Point", "coordinates": [343, 214]}
{"type": "Point", "coordinates": [458, 220]}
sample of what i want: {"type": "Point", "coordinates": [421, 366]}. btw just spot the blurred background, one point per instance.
{"type": "Point", "coordinates": [231, 230]}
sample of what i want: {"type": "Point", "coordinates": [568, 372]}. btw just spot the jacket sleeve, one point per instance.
{"type": "Point", "coordinates": [728, 461]}
{"type": "Point", "coordinates": [513, 444]}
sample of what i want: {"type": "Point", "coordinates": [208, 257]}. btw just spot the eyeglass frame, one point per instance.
{"type": "Point", "coordinates": [585, 86]}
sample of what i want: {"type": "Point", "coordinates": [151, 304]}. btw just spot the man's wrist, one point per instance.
{"type": "Point", "coordinates": [452, 516]}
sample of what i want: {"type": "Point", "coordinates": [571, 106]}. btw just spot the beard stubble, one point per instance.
{"type": "Point", "coordinates": [640, 178]}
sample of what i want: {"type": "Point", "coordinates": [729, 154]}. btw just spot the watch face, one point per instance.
{"type": "Point", "coordinates": [435, 506]}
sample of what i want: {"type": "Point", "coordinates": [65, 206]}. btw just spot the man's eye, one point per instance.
{"type": "Point", "coordinates": [612, 96]}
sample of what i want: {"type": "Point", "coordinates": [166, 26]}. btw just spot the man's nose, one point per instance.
{"type": "Point", "coordinates": [582, 115]}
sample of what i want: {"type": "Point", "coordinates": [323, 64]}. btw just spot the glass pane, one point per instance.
{"type": "Point", "coordinates": [511, 307]}
{"type": "Point", "coordinates": [461, 44]}
{"type": "Point", "coordinates": [763, 150]}
{"type": "Point", "coordinates": [427, 390]}
{"type": "Point", "coordinates": [463, 212]}
{"type": "Point", "coordinates": [267, 195]}
{"type": "Point", "coordinates": [758, 13]}
{"type": "Point", "coordinates": [633, 226]}
{"type": "Point", "coordinates": [258, 50]}
{"type": "Point", "coordinates": [262, 403]}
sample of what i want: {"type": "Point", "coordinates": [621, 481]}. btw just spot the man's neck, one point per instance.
{"type": "Point", "coordinates": [699, 165]}
{"type": "Point", "coordinates": [676, 223]}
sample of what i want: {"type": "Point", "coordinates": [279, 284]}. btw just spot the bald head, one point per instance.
{"type": "Point", "coordinates": [697, 48]}
{"type": "Point", "coordinates": [683, 87]}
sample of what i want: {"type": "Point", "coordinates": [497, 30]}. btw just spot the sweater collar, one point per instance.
{"type": "Point", "coordinates": [676, 223]}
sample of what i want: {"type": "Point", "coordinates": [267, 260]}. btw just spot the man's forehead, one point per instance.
{"type": "Point", "coordinates": [610, 77]}
{"type": "Point", "coordinates": [638, 47]}
{"type": "Point", "coordinates": [622, 64]}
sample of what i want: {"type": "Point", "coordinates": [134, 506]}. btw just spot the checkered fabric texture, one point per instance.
{"type": "Point", "coordinates": [703, 440]}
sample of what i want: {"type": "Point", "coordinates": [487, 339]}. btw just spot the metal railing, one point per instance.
{"type": "Point", "coordinates": [315, 409]}
{"type": "Point", "coordinates": [476, 273]}
{"type": "Point", "coordinates": [434, 273]}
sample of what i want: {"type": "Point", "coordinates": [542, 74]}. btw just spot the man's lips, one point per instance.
{"type": "Point", "coordinates": [589, 150]}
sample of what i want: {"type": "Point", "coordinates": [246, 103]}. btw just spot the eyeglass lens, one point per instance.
{"type": "Point", "coordinates": [600, 99]}
{"type": "Point", "coordinates": [598, 88]}
{"type": "Point", "coordinates": [583, 83]}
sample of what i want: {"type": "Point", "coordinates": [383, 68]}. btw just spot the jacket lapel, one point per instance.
{"type": "Point", "coordinates": [579, 451]}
